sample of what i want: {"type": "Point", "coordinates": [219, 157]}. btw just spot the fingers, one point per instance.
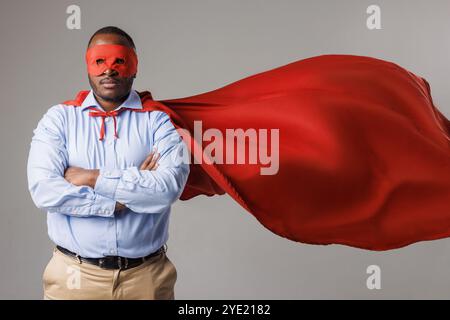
{"type": "Point", "coordinates": [150, 162]}
{"type": "Point", "coordinates": [153, 165]}
{"type": "Point", "coordinates": [119, 207]}
{"type": "Point", "coordinates": [147, 160]}
{"type": "Point", "coordinates": [71, 172]}
{"type": "Point", "coordinates": [68, 170]}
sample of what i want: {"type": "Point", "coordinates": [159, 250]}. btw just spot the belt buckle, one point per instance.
{"type": "Point", "coordinates": [101, 262]}
{"type": "Point", "coordinates": [106, 262]}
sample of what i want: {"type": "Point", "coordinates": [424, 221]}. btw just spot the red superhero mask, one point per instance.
{"type": "Point", "coordinates": [120, 58]}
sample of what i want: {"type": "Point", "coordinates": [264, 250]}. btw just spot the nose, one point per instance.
{"type": "Point", "coordinates": [110, 72]}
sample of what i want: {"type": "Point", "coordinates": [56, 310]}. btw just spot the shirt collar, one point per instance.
{"type": "Point", "coordinates": [132, 102]}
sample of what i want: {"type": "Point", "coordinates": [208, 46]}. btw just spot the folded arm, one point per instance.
{"type": "Point", "coordinates": [139, 188]}
{"type": "Point", "coordinates": [88, 177]}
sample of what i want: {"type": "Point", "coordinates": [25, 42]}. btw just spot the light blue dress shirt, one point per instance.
{"type": "Point", "coordinates": [81, 218]}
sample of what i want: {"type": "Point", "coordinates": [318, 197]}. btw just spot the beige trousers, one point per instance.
{"type": "Point", "coordinates": [64, 278]}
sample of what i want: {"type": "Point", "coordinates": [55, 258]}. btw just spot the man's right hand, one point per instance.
{"type": "Point", "coordinates": [148, 164]}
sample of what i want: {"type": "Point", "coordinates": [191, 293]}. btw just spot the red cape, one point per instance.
{"type": "Point", "coordinates": [364, 154]}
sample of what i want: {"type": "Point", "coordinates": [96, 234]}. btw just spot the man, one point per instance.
{"type": "Point", "coordinates": [107, 175]}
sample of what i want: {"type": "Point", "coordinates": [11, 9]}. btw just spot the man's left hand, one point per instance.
{"type": "Point", "coordinates": [81, 177]}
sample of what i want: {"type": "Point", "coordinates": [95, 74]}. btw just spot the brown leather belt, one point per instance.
{"type": "Point", "coordinates": [112, 262]}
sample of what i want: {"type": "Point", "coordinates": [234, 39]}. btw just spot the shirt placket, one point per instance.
{"type": "Point", "coordinates": [110, 163]}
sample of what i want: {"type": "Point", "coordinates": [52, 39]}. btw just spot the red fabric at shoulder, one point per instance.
{"type": "Point", "coordinates": [78, 99]}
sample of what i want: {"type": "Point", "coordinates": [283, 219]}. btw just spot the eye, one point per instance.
{"type": "Point", "coordinates": [120, 61]}
{"type": "Point", "coordinates": [100, 61]}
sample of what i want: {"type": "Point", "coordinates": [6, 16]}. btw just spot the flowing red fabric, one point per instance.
{"type": "Point", "coordinates": [364, 155]}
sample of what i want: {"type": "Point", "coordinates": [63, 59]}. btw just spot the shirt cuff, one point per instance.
{"type": "Point", "coordinates": [107, 182]}
{"type": "Point", "coordinates": [103, 206]}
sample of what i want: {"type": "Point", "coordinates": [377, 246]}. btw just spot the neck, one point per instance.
{"type": "Point", "coordinates": [109, 105]}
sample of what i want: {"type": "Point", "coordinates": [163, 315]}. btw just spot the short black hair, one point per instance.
{"type": "Point", "coordinates": [113, 30]}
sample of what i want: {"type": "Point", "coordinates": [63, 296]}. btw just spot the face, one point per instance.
{"type": "Point", "coordinates": [110, 86]}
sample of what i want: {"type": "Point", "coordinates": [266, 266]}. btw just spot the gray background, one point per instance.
{"type": "Point", "coordinates": [188, 47]}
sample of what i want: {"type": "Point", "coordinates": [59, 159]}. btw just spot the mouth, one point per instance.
{"type": "Point", "coordinates": [109, 83]}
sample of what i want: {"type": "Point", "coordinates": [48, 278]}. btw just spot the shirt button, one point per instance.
{"type": "Point", "coordinates": [106, 119]}
{"type": "Point", "coordinates": [111, 251]}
